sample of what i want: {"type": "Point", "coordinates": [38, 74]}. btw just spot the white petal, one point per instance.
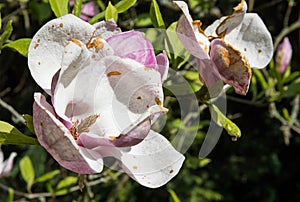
{"type": "Point", "coordinates": [253, 39]}
{"type": "Point", "coordinates": [59, 142]}
{"type": "Point", "coordinates": [46, 49]}
{"type": "Point", "coordinates": [152, 163]}
{"type": "Point", "coordinates": [121, 91]}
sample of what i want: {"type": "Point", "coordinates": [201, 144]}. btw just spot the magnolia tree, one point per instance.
{"type": "Point", "coordinates": [102, 102]}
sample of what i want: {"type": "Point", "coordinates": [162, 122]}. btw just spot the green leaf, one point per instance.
{"type": "Point", "coordinates": [204, 162]}
{"type": "Point", "coordinates": [260, 78]}
{"type": "Point", "coordinates": [47, 176]}
{"type": "Point", "coordinates": [63, 186]}
{"type": "Point", "coordinates": [59, 7]}
{"type": "Point", "coordinates": [11, 135]}
{"type": "Point", "coordinates": [286, 114]}
{"type": "Point", "coordinates": [218, 117]}
{"type": "Point", "coordinates": [27, 171]}
{"type": "Point", "coordinates": [67, 182]}
{"type": "Point", "coordinates": [111, 12]}
{"type": "Point", "coordinates": [77, 7]}
{"type": "Point", "coordinates": [142, 20]}
{"type": "Point", "coordinates": [173, 195]}
{"type": "Point", "coordinates": [40, 10]}
{"type": "Point", "coordinates": [97, 17]}
{"type": "Point", "coordinates": [6, 34]}
{"type": "Point", "coordinates": [175, 50]}
{"type": "Point", "coordinates": [10, 197]}
{"type": "Point", "coordinates": [124, 5]}
{"type": "Point", "coordinates": [29, 122]}
{"type": "Point", "coordinates": [155, 15]}
{"type": "Point", "coordinates": [20, 45]}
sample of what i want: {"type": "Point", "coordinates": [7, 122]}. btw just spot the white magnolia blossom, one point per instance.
{"type": "Point", "coordinates": [106, 91]}
{"type": "Point", "coordinates": [227, 49]}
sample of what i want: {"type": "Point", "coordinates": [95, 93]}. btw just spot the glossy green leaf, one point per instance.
{"type": "Point", "coordinates": [47, 176]}
{"type": "Point", "coordinates": [29, 122]}
{"type": "Point", "coordinates": [155, 15]}
{"type": "Point", "coordinates": [77, 7]}
{"type": "Point", "coordinates": [27, 171]}
{"type": "Point", "coordinates": [124, 5]}
{"type": "Point", "coordinates": [218, 117]}
{"type": "Point", "coordinates": [11, 135]}
{"type": "Point", "coordinates": [20, 45]}
{"type": "Point", "coordinates": [111, 12]}
{"type": "Point", "coordinates": [173, 196]}
{"type": "Point", "coordinates": [6, 33]}
{"type": "Point", "coordinates": [59, 7]}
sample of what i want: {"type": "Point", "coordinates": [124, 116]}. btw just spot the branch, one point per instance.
{"type": "Point", "coordinates": [286, 31]}
{"type": "Point", "coordinates": [18, 117]}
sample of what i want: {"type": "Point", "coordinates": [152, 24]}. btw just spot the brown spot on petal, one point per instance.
{"type": "Point", "coordinates": [147, 69]}
{"type": "Point", "coordinates": [259, 50]}
{"type": "Point", "coordinates": [36, 45]}
{"type": "Point", "coordinates": [61, 25]}
{"type": "Point", "coordinates": [77, 42]}
{"type": "Point", "coordinates": [113, 73]}
{"type": "Point", "coordinates": [97, 43]}
{"type": "Point", "coordinates": [139, 98]}
{"type": "Point", "coordinates": [39, 63]}
{"type": "Point", "coordinates": [39, 40]}
{"type": "Point", "coordinates": [198, 23]}
{"type": "Point", "coordinates": [158, 102]}
{"type": "Point", "coordinates": [171, 171]}
{"type": "Point", "coordinates": [93, 56]}
{"type": "Point", "coordinates": [135, 167]}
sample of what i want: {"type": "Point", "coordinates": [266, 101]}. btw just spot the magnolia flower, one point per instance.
{"type": "Point", "coordinates": [87, 10]}
{"type": "Point", "coordinates": [7, 165]}
{"type": "Point", "coordinates": [283, 55]}
{"type": "Point", "coordinates": [228, 48]}
{"type": "Point", "coordinates": [106, 91]}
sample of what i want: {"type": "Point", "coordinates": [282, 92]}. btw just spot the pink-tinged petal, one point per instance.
{"type": "Point", "coordinates": [152, 163]}
{"type": "Point", "coordinates": [133, 45]}
{"type": "Point", "coordinates": [7, 165]}
{"type": "Point", "coordinates": [163, 65]}
{"type": "Point", "coordinates": [283, 55]}
{"type": "Point", "coordinates": [106, 29]}
{"type": "Point", "coordinates": [209, 75]}
{"type": "Point", "coordinates": [46, 49]}
{"type": "Point", "coordinates": [253, 39]}
{"type": "Point", "coordinates": [192, 40]}
{"type": "Point", "coordinates": [133, 137]}
{"type": "Point", "coordinates": [233, 67]}
{"type": "Point", "coordinates": [59, 142]}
